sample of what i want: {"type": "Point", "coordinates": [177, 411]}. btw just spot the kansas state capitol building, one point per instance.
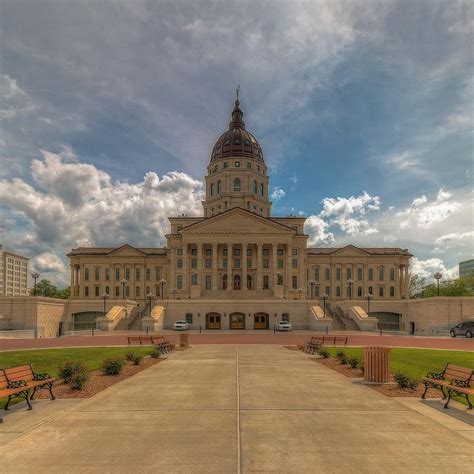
{"type": "Point", "coordinates": [237, 266]}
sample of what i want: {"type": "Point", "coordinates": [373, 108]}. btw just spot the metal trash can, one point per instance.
{"type": "Point", "coordinates": [377, 364]}
{"type": "Point", "coordinates": [184, 340]}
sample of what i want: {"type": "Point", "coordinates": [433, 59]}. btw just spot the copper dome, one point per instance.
{"type": "Point", "coordinates": [237, 141]}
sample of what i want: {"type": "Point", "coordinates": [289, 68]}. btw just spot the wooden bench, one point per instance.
{"type": "Point", "coordinates": [317, 341]}
{"type": "Point", "coordinates": [134, 340]}
{"type": "Point", "coordinates": [162, 343]}
{"type": "Point", "coordinates": [455, 379]}
{"type": "Point", "coordinates": [16, 382]}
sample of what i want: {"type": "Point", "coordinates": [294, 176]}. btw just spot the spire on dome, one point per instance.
{"type": "Point", "coordinates": [237, 114]}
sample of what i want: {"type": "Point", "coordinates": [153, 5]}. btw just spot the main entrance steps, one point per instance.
{"type": "Point", "coordinates": [238, 295]}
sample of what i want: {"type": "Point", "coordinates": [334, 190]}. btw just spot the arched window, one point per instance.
{"type": "Point", "coordinates": [107, 290]}
{"type": "Point", "coordinates": [212, 189]}
{"type": "Point", "coordinates": [96, 291]}
{"type": "Point", "coordinates": [236, 184]}
{"type": "Point", "coordinates": [127, 291]}
{"type": "Point", "coordinates": [254, 187]}
{"type": "Point", "coordinates": [381, 291]}
{"type": "Point", "coordinates": [224, 282]}
{"type": "Point", "coordinates": [359, 273]}
{"type": "Point", "coordinates": [157, 291]}
{"type": "Point", "coordinates": [86, 291]}
{"type": "Point", "coordinates": [359, 291]}
{"type": "Point", "coordinates": [262, 189]}
{"type": "Point", "coordinates": [249, 282]}
{"type": "Point", "coordinates": [381, 273]}
{"type": "Point", "coordinates": [338, 291]}
{"type": "Point", "coordinates": [137, 291]}
{"type": "Point", "coordinates": [370, 291]}
{"type": "Point", "coordinates": [392, 291]}
{"type": "Point", "coordinates": [218, 187]}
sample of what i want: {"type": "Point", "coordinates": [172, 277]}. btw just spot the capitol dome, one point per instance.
{"type": "Point", "coordinates": [237, 141]}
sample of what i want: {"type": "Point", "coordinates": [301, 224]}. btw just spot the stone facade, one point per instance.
{"type": "Point", "coordinates": [13, 274]}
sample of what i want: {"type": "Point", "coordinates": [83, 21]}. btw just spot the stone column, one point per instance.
{"type": "Point", "coordinates": [215, 248]}
{"type": "Point", "coordinates": [83, 282]}
{"type": "Point", "coordinates": [230, 283]}
{"type": "Point", "coordinates": [289, 268]}
{"type": "Point", "coordinates": [171, 285]}
{"type": "Point", "coordinates": [259, 267]}
{"type": "Point", "coordinates": [365, 276]}
{"type": "Point", "coordinates": [405, 282]}
{"type": "Point", "coordinates": [334, 282]}
{"type": "Point", "coordinates": [274, 265]}
{"type": "Point", "coordinates": [72, 280]}
{"type": "Point", "coordinates": [243, 284]}
{"type": "Point", "coordinates": [396, 283]}
{"type": "Point", "coordinates": [344, 285]}
{"type": "Point", "coordinates": [200, 281]}
{"type": "Point", "coordinates": [302, 271]}
{"type": "Point", "coordinates": [185, 268]}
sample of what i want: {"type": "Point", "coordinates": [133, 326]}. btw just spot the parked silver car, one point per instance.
{"type": "Point", "coordinates": [283, 326]}
{"type": "Point", "coordinates": [465, 328]}
{"type": "Point", "coordinates": [180, 326]}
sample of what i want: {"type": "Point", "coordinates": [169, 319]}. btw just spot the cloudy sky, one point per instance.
{"type": "Point", "coordinates": [109, 110]}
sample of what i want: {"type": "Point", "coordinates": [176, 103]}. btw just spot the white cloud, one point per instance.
{"type": "Point", "coordinates": [402, 161]}
{"type": "Point", "coordinates": [277, 194]}
{"type": "Point", "coordinates": [455, 240]}
{"type": "Point", "coordinates": [427, 268]}
{"type": "Point", "coordinates": [317, 229]}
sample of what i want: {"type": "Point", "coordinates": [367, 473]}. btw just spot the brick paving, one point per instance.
{"type": "Point", "coordinates": [247, 337]}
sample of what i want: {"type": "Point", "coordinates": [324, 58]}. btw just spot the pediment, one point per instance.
{"type": "Point", "coordinates": [127, 251]}
{"type": "Point", "coordinates": [350, 251]}
{"type": "Point", "coordinates": [237, 221]}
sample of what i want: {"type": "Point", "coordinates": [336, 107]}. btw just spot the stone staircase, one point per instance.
{"type": "Point", "coordinates": [134, 320]}
{"type": "Point", "coordinates": [238, 295]}
{"type": "Point", "coordinates": [344, 323]}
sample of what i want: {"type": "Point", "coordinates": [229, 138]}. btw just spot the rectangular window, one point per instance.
{"type": "Point", "coordinates": [117, 274]}
{"type": "Point", "coordinates": [392, 274]}
{"type": "Point", "coordinates": [179, 263]}
{"type": "Point", "coordinates": [189, 318]}
{"type": "Point", "coordinates": [237, 262]}
{"type": "Point", "coordinates": [280, 252]}
{"type": "Point", "coordinates": [338, 274]}
{"type": "Point", "coordinates": [97, 274]}
{"type": "Point", "coordinates": [179, 252]}
{"type": "Point", "coordinates": [208, 263]}
{"type": "Point", "coordinates": [208, 282]}
{"type": "Point", "coordinates": [328, 274]}
{"type": "Point", "coordinates": [328, 291]}
{"type": "Point", "coordinates": [349, 273]}
{"type": "Point", "coordinates": [117, 291]}
{"type": "Point", "coordinates": [295, 252]}
{"type": "Point", "coordinates": [179, 282]}
{"type": "Point", "coordinates": [208, 252]}
{"type": "Point", "coordinates": [294, 263]}
{"type": "Point", "coordinates": [316, 273]}
{"type": "Point", "coordinates": [280, 279]}
{"type": "Point", "coordinates": [249, 252]}
{"type": "Point", "coordinates": [137, 274]}
{"type": "Point", "coordinates": [137, 291]}
{"type": "Point", "coordinates": [107, 273]}
{"type": "Point", "coordinates": [193, 263]}
{"type": "Point", "coordinates": [96, 291]}
{"type": "Point", "coordinates": [371, 274]}
{"type": "Point", "coordinates": [224, 263]}
{"type": "Point", "coordinates": [266, 263]}
{"type": "Point", "coordinates": [127, 274]}
{"type": "Point", "coordinates": [381, 291]}
{"type": "Point", "coordinates": [194, 279]}
{"type": "Point", "coordinates": [280, 263]}
{"type": "Point", "coordinates": [265, 282]}
{"type": "Point", "coordinates": [294, 281]}
{"type": "Point", "coordinates": [86, 274]}
{"type": "Point", "coordinates": [249, 263]}
{"type": "Point", "coordinates": [224, 252]}
{"type": "Point", "coordinates": [226, 165]}
{"type": "Point", "coordinates": [381, 273]}
{"type": "Point", "coordinates": [194, 252]}
{"type": "Point", "coordinates": [237, 252]}
{"type": "Point", "coordinates": [237, 164]}
{"type": "Point", "coordinates": [249, 165]}
{"type": "Point", "coordinates": [148, 274]}
{"type": "Point", "coordinates": [266, 252]}
{"type": "Point", "coordinates": [359, 274]}
{"type": "Point", "coordinates": [157, 274]}
{"type": "Point", "coordinates": [316, 290]}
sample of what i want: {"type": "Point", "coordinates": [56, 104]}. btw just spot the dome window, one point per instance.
{"type": "Point", "coordinates": [227, 142]}
{"type": "Point", "coordinates": [237, 164]}
{"type": "Point", "coordinates": [247, 142]}
{"type": "Point", "coordinates": [249, 165]}
{"type": "Point", "coordinates": [236, 184]}
{"type": "Point", "coordinates": [237, 142]}
{"type": "Point", "coordinates": [226, 165]}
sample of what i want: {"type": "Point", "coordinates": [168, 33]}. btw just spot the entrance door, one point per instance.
{"type": "Point", "coordinates": [213, 321]}
{"type": "Point", "coordinates": [237, 321]}
{"type": "Point", "coordinates": [412, 328]}
{"type": "Point", "coordinates": [260, 321]}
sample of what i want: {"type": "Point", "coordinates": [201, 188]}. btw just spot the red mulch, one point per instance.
{"type": "Point", "coordinates": [97, 381]}
{"type": "Point", "coordinates": [390, 389]}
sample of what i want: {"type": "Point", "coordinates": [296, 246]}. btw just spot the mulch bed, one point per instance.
{"type": "Point", "coordinates": [97, 381]}
{"type": "Point", "coordinates": [391, 389]}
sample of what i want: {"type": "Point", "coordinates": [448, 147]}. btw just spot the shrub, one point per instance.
{"type": "Point", "coordinates": [136, 359]}
{"type": "Point", "coordinates": [155, 353]}
{"type": "Point", "coordinates": [79, 380]}
{"type": "Point", "coordinates": [323, 352]}
{"type": "Point", "coordinates": [341, 355]}
{"type": "Point", "coordinates": [113, 365]}
{"type": "Point", "coordinates": [353, 362]}
{"type": "Point", "coordinates": [130, 356]}
{"type": "Point", "coordinates": [405, 381]}
{"type": "Point", "coordinates": [69, 369]}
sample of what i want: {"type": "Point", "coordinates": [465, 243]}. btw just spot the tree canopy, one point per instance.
{"type": "Point", "coordinates": [418, 287]}
{"type": "Point", "coordinates": [46, 288]}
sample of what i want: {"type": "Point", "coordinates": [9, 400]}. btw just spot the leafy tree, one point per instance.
{"type": "Point", "coordinates": [64, 294]}
{"type": "Point", "coordinates": [46, 288]}
{"type": "Point", "coordinates": [416, 285]}
{"type": "Point", "coordinates": [455, 287]}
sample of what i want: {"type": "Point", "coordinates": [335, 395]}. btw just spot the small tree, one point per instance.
{"type": "Point", "coordinates": [416, 285]}
{"type": "Point", "coordinates": [46, 288]}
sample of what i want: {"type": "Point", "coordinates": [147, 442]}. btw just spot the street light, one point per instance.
{"type": "Point", "coordinates": [150, 297]}
{"type": "Point", "coordinates": [311, 286]}
{"type": "Point", "coordinates": [350, 283]}
{"type": "Point", "coordinates": [438, 277]}
{"type": "Point", "coordinates": [368, 297]}
{"type": "Point", "coordinates": [35, 276]}
{"type": "Point", "coordinates": [105, 296]}
{"type": "Point", "coordinates": [324, 297]}
{"type": "Point", "coordinates": [162, 283]}
{"type": "Point", "coordinates": [123, 282]}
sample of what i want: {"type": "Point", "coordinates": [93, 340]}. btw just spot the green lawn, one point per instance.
{"type": "Point", "coordinates": [417, 362]}
{"type": "Point", "coordinates": [49, 360]}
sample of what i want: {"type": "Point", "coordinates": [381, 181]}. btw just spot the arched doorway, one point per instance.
{"type": "Point", "coordinates": [260, 321]}
{"type": "Point", "coordinates": [237, 321]}
{"type": "Point", "coordinates": [249, 282]}
{"type": "Point", "coordinates": [213, 321]}
{"type": "Point", "coordinates": [224, 282]}
{"type": "Point", "coordinates": [236, 282]}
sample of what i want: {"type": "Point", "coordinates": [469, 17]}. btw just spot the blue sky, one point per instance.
{"type": "Point", "coordinates": [109, 110]}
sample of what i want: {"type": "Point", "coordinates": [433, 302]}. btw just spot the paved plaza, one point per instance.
{"type": "Point", "coordinates": [237, 408]}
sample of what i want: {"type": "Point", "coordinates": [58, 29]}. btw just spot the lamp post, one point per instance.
{"type": "Point", "coordinates": [162, 283]}
{"type": "Point", "coordinates": [123, 282]}
{"type": "Point", "coordinates": [311, 286]}
{"type": "Point", "coordinates": [368, 297]}
{"type": "Point", "coordinates": [105, 296]}
{"type": "Point", "coordinates": [350, 282]}
{"type": "Point", "coordinates": [35, 276]}
{"type": "Point", "coordinates": [324, 297]}
{"type": "Point", "coordinates": [438, 277]}
{"type": "Point", "coordinates": [150, 297]}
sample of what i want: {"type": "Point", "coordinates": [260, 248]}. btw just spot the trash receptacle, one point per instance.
{"type": "Point", "coordinates": [376, 364]}
{"type": "Point", "coordinates": [184, 340]}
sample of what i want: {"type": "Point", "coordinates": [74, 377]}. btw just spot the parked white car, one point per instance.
{"type": "Point", "coordinates": [284, 326]}
{"type": "Point", "coordinates": [180, 326]}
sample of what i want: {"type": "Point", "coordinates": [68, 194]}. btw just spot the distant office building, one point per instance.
{"type": "Point", "coordinates": [465, 268]}
{"type": "Point", "coordinates": [13, 274]}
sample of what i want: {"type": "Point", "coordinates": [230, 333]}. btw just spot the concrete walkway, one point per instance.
{"type": "Point", "coordinates": [248, 408]}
